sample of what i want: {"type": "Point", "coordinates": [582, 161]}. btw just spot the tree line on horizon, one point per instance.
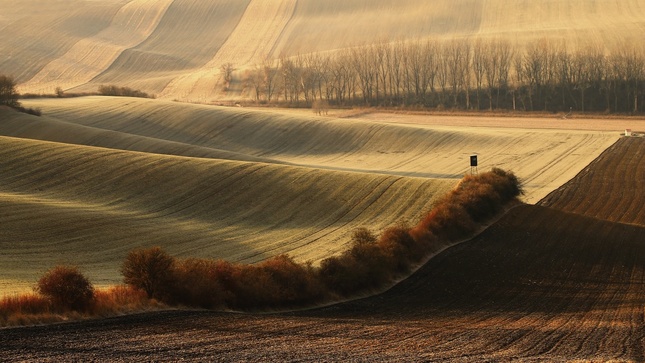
{"type": "Point", "coordinates": [458, 74]}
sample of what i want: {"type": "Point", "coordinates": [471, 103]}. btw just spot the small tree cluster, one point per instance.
{"type": "Point", "coordinates": [112, 90]}
{"type": "Point", "coordinates": [150, 270]}
{"type": "Point", "coordinates": [276, 282]}
{"type": "Point", "coordinates": [9, 96]}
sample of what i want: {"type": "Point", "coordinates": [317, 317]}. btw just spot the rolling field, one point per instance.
{"type": "Point", "coordinates": [174, 48]}
{"type": "Point", "coordinates": [558, 278]}
{"type": "Point", "coordinates": [241, 185]}
{"type": "Point", "coordinates": [541, 284]}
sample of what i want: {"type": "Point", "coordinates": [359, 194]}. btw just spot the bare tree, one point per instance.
{"type": "Point", "coordinates": [506, 52]}
{"type": "Point", "coordinates": [226, 71]}
{"type": "Point", "coordinates": [255, 78]}
{"type": "Point", "coordinates": [270, 74]}
{"type": "Point", "coordinates": [442, 74]}
{"type": "Point", "coordinates": [429, 68]}
{"type": "Point", "coordinates": [8, 93]}
{"type": "Point", "coordinates": [490, 63]}
{"type": "Point", "coordinates": [453, 64]}
{"type": "Point", "coordinates": [479, 50]}
{"type": "Point", "coordinates": [362, 64]}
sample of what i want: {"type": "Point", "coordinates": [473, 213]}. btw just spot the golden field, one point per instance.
{"type": "Point", "coordinates": [175, 49]}
{"type": "Point", "coordinates": [95, 177]}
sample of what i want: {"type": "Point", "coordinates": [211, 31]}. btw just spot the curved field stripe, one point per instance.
{"type": "Point", "coordinates": [187, 37]}
{"type": "Point", "coordinates": [50, 129]}
{"type": "Point", "coordinates": [90, 206]}
{"type": "Point", "coordinates": [132, 24]}
{"type": "Point", "coordinates": [33, 34]}
{"type": "Point", "coordinates": [252, 39]}
{"type": "Point", "coordinates": [358, 22]}
{"type": "Point", "coordinates": [579, 21]}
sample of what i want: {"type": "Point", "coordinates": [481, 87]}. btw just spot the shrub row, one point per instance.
{"type": "Point", "coordinates": [370, 264]}
{"type": "Point", "coordinates": [278, 282]}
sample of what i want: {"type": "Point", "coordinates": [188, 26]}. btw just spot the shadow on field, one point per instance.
{"type": "Point", "coordinates": [535, 259]}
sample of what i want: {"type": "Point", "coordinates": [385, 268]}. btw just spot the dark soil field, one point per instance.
{"type": "Point", "coordinates": [560, 281]}
{"type": "Point", "coordinates": [610, 188]}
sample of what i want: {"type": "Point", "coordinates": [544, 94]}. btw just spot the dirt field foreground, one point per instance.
{"type": "Point", "coordinates": [563, 280]}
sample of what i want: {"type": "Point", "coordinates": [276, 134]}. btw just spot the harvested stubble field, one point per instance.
{"type": "Point", "coordinates": [541, 284]}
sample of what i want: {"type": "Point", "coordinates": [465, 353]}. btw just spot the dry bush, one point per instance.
{"type": "Point", "coordinates": [278, 282]}
{"type": "Point", "coordinates": [481, 201]}
{"type": "Point", "coordinates": [197, 283]}
{"type": "Point", "coordinates": [449, 222]}
{"type": "Point", "coordinates": [475, 200]}
{"type": "Point", "coordinates": [150, 269]}
{"type": "Point", "coordinates": [66, 288]}
{"type": "Point", "coordinates": [339, 274]}
{"type": "Point", "coordinates": [294, 283]}
{"type": "Point", "coordinates": [363, 236]}
{"type": "Point", "coordinates": [365, 266]}
{"type": "Point", "coordinates": [401, 249]}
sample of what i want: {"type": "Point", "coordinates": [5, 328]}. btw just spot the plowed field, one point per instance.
{"type": "Point", "coordinates": [618, 192]}
{"type": "Point", "coordinates": [541, 284]}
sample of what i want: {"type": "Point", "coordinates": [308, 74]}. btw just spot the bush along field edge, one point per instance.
{"type": "Point", "coordinates": [153, 279]}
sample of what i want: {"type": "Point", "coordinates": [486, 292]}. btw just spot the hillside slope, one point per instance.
{"type": "Point", "coordinates": [231, 183]}
{"type": "Point", "coordinates": [176, 48]}
{"type": "Point", "coordinates": [544, 159]}
{"type": "Point", "coordinates": [538, 285]}
{"type": "Point", "coordinates": [617, 191]}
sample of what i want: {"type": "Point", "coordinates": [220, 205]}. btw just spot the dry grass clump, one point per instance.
{"type": "Point", "coordinates": [64, 293]}
{"type": "Point", "coordinates": [121, 299]}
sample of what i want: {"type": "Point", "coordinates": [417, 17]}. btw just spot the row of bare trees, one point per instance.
{"type": "Point", "coordinates": [459, 74]}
